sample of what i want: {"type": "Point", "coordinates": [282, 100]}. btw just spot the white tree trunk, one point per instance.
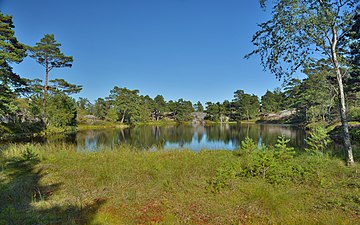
{"type": "Point", "coordinates": [342, 106]}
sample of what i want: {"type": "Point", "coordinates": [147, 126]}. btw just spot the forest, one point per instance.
{"type": "Point", "coordinates": [31, 106]}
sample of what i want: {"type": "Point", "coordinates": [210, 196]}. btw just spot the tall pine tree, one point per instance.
{"type": "Point", "coordinates": [47, 53]}
{"type": "Point", "coordinates": [11, 51]}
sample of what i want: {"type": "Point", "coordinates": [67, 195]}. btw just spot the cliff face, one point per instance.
{"type": "Point", "coordinates": [198, 117]}
{"type": "Point", "coordinates": [279, 117]}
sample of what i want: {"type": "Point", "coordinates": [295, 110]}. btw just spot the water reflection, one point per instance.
{"type": "Point", "coordinates": [225, 136]}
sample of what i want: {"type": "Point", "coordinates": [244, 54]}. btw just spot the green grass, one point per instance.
{"type": "Point", "coordinates": [101, 125]}
{"type": "Point", "coordinates": [57, 185]}
{"type": "Point", "coordinates": [218, 122]}
{"type": "Point", "coordinates": [159, 123]}
{"type": "Point", "coordinates": [252, 121]}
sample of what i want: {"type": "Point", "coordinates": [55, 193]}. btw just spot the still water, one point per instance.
{"type": "Point", "coordinates": [193, 137]}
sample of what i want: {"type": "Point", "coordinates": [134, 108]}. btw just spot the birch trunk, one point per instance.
{"type": "Point", "coordinates": [342, 106]}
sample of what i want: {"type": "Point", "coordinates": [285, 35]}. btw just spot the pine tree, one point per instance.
{"type": "Point", "coordinates": [11, 51]}
{"type": "Point", "coordinates": [48, 54]}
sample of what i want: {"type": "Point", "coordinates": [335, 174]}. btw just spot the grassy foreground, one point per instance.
{"type": "Point", "coordinates": [56, 185]}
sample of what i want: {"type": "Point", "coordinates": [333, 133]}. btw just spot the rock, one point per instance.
{"type": "Point", "coordinates": [198, 117]}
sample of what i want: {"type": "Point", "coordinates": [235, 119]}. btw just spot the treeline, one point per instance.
{"type": "Point", "coordinates": [315, 98]}
{"type": "Point", "coordinates": [30, 106]}
{"type": "Point", "coordinates": [311, 100]}
{"type": "Point", "coordinates": [128, 106]}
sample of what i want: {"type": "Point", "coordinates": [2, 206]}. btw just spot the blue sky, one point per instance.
{"type": "Point", "coordinates": [191, 49]}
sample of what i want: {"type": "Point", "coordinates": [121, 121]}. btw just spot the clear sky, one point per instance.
{"type": "Point", "coordinates": [191, 49]}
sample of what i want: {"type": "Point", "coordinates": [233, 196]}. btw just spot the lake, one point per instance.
{"type": "Point", "coordinates": [193, 137]}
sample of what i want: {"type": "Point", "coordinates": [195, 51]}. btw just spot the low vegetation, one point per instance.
{"type": "Point", "coordinates": [268, 185]}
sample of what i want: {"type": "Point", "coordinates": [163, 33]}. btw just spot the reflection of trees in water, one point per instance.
{"type": "Point", "coordinates": [270, 133]}
{"type": "Point", "coordinates": [232, 133]}
{"type": "Point", "coordinates": [57, 139]}
{"type": "Point", "coordinates": [94, 140]}
{"type": "Point", "coordinates": [180, 134]}
{"type": "Point", "coordinates": [144, 137]}
{"type": "Point", "coordinates": [261, 134]}
{"type": "Point", "coordinates": [199, 133]}
{"type": "Point", "coordinates": [148, 137]}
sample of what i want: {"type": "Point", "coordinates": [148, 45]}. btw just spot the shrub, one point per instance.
{"type": "Point", "coordinates": [246, 146]}
{"type": "Point", "coordinates": [223, 176]}
{"type": "Point", "coordinates": [61, 111]}
{"type": "Point", "coordinates": [355, 134]}
{"type": "Point", "coordinates": [281, 150]}
{"type": "Point", "coordinates": [317, 141]}
{"type": "Point", "coordinates": [4, 130]}
{"type": "Point", "coordinates": [275, 164]}
{"type": "Point", "coordinates": [354, 114]}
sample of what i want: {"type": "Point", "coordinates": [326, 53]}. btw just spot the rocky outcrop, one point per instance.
{"type": "Point", "coordinates": [279, 117]}
{"type": "Point", "coordinates": [198, 117]}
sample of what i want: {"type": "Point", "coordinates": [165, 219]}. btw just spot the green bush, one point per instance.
{"type": "Point", "coordinates": [276, 164]}
{"type": "Point", "coordinates": [355, 134]}
{"type": "Point", "coordinates": [246, 146]}
{"type": "Point", "coordinates": [354, 114]}
{"type": "Point", "coordinates": [4, 130]}
{"type": "Point", "coordinates": [317, 141]}
{"type": "Point", "coordinates": [224, 174]}
{"type": "Point", "coordinates": [61, 111]}
{"type": "Point", "coordinates": [281, 150]}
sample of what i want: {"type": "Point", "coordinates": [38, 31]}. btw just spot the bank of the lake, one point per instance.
{"type": "Point", "coordinates": [57, 185]}
{"type": "Point", "coordinates": [82, 127]}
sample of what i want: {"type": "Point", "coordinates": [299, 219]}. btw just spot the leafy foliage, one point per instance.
{"type": "Point", "coordinates": [62, 86]}
{"type": "Point", "coordinates": [318, 140]}
{"type": "Point", "coordinates": [302, 32]}
{"type": "Point", "coordinates": [275, 164]}
{"type": "Point", "coordinates": [223, 176]}
{"type": "Point", "coordinates": [11, 51]}
{"type": "Point", "coordinates": [298, 30]}
{"type": "Point", "coordinates": [281, 150]}
{"type": "Point", "coordinates": [272, 101]}
{"type": "Point", "coordinates": [100, 108]}
{"type": "Point", "coordinates": [47, 53]}
{"type": "Point", "coordinates": [182, 110]}
{"type": "Point", "coordinates": [246, 147]}
{"type": "Point", "coordinates": [199, 107]}
{"type": "Point", "coordinates": [246, 105]}
{"type": "Point", "coordinates": [355, 134]}
{"type": "Point", "coordinates": [61, 111]}
{"type": "Point", "coordinates": [129, 106]}
{"type": "Point", "coordinates": [351, 45]}
{"type": "Point", "coordinates": [215, 111]}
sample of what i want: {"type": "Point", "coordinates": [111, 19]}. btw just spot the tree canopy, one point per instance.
{"type": "Point", "coordinates": [301, 32]}
{"type": "Point", "coordinates": [11, 51]}
{"type": "Point", "coordinates": [48, 54]}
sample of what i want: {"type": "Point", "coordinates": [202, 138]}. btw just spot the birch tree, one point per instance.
{"type": "Point", "coordinates": [304, 31]}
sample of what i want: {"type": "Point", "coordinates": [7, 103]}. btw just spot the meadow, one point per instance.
{"type": "Point", "coordinates": [55, 184]}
